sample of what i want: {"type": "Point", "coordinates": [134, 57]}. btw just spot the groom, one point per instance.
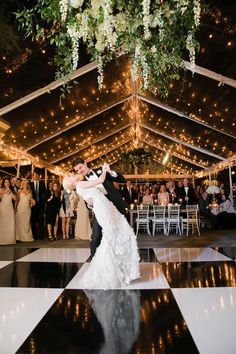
{"type": "Point", "coordinates": [108, 189]}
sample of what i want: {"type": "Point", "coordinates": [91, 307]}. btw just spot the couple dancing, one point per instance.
{"type": "Point", "coordinates": [114, 247]}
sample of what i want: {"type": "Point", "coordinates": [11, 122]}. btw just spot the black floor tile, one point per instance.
{"type": "Point", "coordinates": [228, 251]}
{"type": "Point", "coordinates": [13, 253]}
{"type": "Point", "coordinates": [38, 274]}
{"type": "Point", "coordinates": [200, 274]}
{"type": "Point", "coordinates": [114, 322]}
{"type": "Point", "coordinates": [147, 255]}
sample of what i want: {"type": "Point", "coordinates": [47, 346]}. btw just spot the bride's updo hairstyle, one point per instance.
{"type": "Point", "coordinates": [69, 182]}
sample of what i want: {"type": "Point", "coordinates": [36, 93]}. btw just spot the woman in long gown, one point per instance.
{"type": "Point", "coordinates": [53, 203]}
{"type": "Point", "coordinates": [116, 261]}
{"type": "Point", "coordinates": [24, 203]}
{"type": "Point", "coordinates": [7, 217]}
{"type": "Point", "coordinates": [83, 230]}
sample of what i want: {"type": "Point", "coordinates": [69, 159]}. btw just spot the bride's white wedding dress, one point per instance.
{"type": "Point", "coordinates": [116, 261]}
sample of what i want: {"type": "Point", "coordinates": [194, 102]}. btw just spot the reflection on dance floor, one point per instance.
{"type": "Point", "coordinates": [117, 322]}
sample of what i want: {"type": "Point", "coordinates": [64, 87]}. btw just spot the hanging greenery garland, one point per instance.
{"type": "Point", "coordinates": [153, 33]}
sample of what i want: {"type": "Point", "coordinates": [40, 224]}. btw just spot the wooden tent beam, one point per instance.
{"type": "Point", "coordinates": [211, 74]}
{"type": "Point", "coordinates": [47, 89]}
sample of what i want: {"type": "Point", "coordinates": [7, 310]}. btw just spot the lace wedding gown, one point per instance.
{"type": "Point", "coordinates": [116, 261]}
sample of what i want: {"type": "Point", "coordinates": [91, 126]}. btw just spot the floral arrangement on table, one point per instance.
{"type": "Point", "coordinates": [137, 156]}
{"type": "Point", "coordinates": [154, 33]}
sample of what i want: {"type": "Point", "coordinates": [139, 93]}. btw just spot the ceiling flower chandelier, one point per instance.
{"type": "Point", "coordinates": [154, 34]}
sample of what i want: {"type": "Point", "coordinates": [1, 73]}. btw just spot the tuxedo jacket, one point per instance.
{"type": "Point", "coordinates": [113, 194]}
{"type": "Point", "coordinates": [42, 191]}
{"type": "Point", "coordinates": [190, 194]}
{"type": "Point", "coordinates": [126, 195]}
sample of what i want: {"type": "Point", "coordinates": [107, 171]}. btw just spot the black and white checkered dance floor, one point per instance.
{"type": "Point", "coordinates": [185, 302]}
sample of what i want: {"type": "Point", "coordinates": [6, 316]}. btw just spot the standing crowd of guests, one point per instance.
{"type": "Point", "coordinates": [29, 211]}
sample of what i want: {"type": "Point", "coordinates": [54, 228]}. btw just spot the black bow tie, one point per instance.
{"type": "Point", "coordinates": [89, 174]}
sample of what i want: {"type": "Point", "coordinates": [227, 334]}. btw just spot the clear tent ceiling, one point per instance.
{"type": "Point", "coordinates": [196, 123]}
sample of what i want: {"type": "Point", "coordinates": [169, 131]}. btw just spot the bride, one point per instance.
{"type": "Point", "coordinates": [116, 261]}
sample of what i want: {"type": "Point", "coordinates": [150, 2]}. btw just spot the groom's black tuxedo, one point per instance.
{"type": "Point", "coordinates": [114, 196]}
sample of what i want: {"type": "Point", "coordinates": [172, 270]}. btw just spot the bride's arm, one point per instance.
{"type": "Point", "coordinates": [90, 184]}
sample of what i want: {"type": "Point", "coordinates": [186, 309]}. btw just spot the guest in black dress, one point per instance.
{"type": "Point", "coordinates": [227, 214]}
{"type": "Point", "coordinates": [53, 204]}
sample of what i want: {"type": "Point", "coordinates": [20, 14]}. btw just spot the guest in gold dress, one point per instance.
{"type": "Point", "coordinates": [24, 202]}
{"type": "Point", "coordinates": [7, 217]}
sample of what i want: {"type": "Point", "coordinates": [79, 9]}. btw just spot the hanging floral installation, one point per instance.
{"type": "Point", "coordinates": [137, 156]}
{"type": "Point", "coordinates": [154, 34]}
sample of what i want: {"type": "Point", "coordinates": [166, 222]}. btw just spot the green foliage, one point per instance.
{"type": "Point", "coordinates": [155, 43]}
{"type": "Point", "coordinates": [137, 156]}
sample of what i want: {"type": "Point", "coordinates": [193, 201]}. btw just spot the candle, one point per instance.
{"type": "Point", "coordinates": [131, 206]}
{"type": "Point", "coordinates": [135, 201]}
{"type": "Point", "coordinates": [141, 206]}
{"type": "Point", "coordinates": [155, 201]}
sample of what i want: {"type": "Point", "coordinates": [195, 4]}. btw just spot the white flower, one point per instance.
{"type": "Point", "coordinates": [191, 48]}
{"type": "Point", "coordinates": [197, 12]}
{"type": "Point", "coordinates": [146, 18]}
{"type": "Point", "coordinates": [63, 4]}
{"type": "Point", "coordinates": [153, 49]}
{"type": "Point", "coordinates": [99, 172]}
{"type": "Point", "coordinates": [76, 3]}
{"type": "Point", "coordinates": [74, 35]}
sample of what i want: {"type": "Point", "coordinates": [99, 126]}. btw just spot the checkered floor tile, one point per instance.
{"type": "Point", "coordinates": [184, 302]}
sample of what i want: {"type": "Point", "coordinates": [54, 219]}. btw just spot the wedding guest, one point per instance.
{"type": "Point", "coordinates": [186, 194]}
{"type": "Point", "coordinates": [198, 192]}
{"type": "Point", "coordinates": [204, 210]}
{"type": "Point", "coordinates": [227, 214]}
{"type": "Point", "coordinates": [13, 184]}
{"type": "Point", "coordinates": [65, 213]}
{"type": "Point", "coordinates": [7, 217]}
{"type": "Point", "coordinates": [83, 230]}
{"type": "Point", "coordinates": [37, 212]}
{"type": "Point", "coordinates": [172, 192]}
{"type": "Point", "coordinates": [140, 193]}
{"type": "Point", "coordinates": [128, 193]}
{"type": "Point", "coordinates": [163, 196]}
{"type": "Point", "coordinates": [147, 198]}
{"type": "Point", "coordinates": [18, 184]}
{"type": "Point", "coordinates": [24, 202]}
{"type": "Point", "coordinates": [154, 193]}
{"type": "Point", "coordinates": [53, 204]}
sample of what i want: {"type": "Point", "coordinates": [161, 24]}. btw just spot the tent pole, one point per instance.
{"type": "Point", "coordinates": [18, 169]}
{"type": "Point", "coordinates": [46, 177]}
{"type": "Point", "coordinates": [32, 170]}
{"type": "Point", "coordinates": [230, 183]}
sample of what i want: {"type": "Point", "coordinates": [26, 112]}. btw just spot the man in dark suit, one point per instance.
{"type": "Point", "coordinates": [128, 193]}
{"type": "Point", "coordinates": [37, 212]}
{"type": "Point", "coordinates": [108, 189]}
{"type": "Point", "coordinates": [186, 194]}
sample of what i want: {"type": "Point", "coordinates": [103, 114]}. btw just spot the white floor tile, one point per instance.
{"type": "Point", "coordinates": [210, 314]}
{"type": "Point", "coordinates": [188, 255]}
{"type": "Point", "coordinates": [4, 263]}
{"type": "Point", "coordinates": [57, 255]}
{"type": "Point", "coordinates": [152, 277]}
{"type": "Point", "coordinates": [20, 311]}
